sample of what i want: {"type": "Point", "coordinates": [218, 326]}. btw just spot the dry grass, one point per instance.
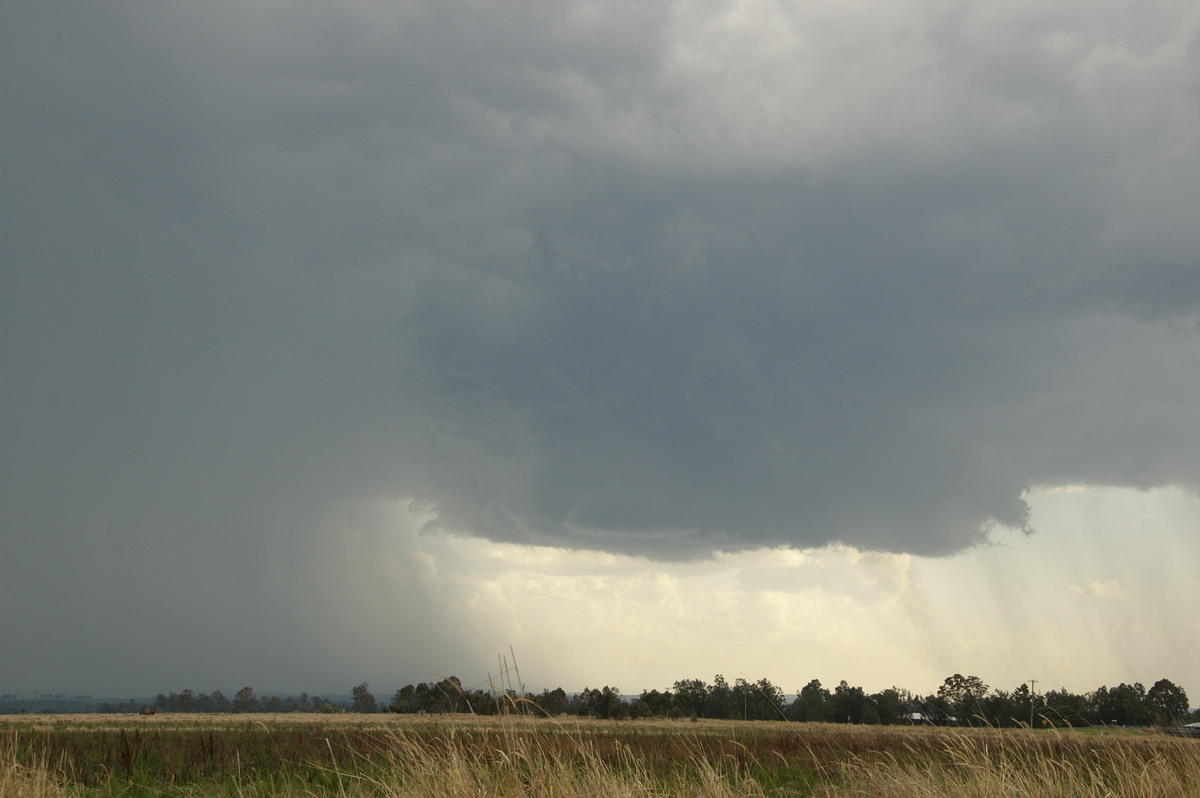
{"type": "Point", "coordinates": [1144, 766]}
{"type": "Point", "coordinates": [35, 780]}
{"type": "Point", "coordinates": [441, 757]}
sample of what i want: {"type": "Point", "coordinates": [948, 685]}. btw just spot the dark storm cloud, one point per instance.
{"type": "Point", "coordinates": [638, 278]}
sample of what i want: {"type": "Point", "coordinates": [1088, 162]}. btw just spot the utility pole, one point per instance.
{"type": "Point", "coordinates": [1032, 687]}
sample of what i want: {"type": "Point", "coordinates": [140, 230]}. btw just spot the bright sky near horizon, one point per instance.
{"type": "Point", "coordinates": [352, 342]}
{"type": "Point", "coordinates": [1090, 601]}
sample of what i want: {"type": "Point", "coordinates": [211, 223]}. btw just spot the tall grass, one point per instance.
{"type": "Point", "coordinates": [531, 758]}
{"type": "Point", "coordinates": [1062, 765]}
{"type": "Point", "coordinates": [34, 779]}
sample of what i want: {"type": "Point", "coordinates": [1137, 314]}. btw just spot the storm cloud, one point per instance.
{"type": "Point", "coordinates": [659, 279]}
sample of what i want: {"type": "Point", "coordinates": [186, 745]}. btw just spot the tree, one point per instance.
{"type": "Point", "coordinates": [936, 709]}
{"type": "Point", "coordinates": [766, 700]}
{"type": "Point", "coordinates": [965, 695]}
{"type": "Point", "coordinates": [893, 705]}
{"type": "Point", "coordinates": [811, 704]}
{"type": "Point", "coordinates": [553, 702]}
{"type": "Point", "coordinates": [219, 701]}
{"type": "Point", "coordinates": [424, 697]}
{"type": "Point", "coordinates": [1168, 703]}
{"type": "Point", "coordinates": [1123, 705]}
{"type": "Point", "coordinates": [1063, 708]}
{"type": "Point", "coordinates": [483, 702]}
{"type": "Point", "coordinates": [449, 695]}
{"type": "Point", "coordinates": [995, 709]}
{"type": "Point", "coordinates": [739, 699]}
{"type": "Point", "coordinates": [404, 699]}
{"type": "Point", "coordinates": [653, 704]}
{"type": "Point", "coordinates": [720, 701]}
{"type": "Point", "coordinates": [363, 700]}
{"type": "Point", "coordinates": [605, 702]}
{"type": "Point", "coordinates": [690, 696]}
{"type": "Point", "coordinates": [245, 700]}
{"type": "Point", "coordinates": [851, 705]}
{"type": "Point", "coordinates": [1021, 707]}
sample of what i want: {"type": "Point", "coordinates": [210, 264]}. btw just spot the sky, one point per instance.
{"type": "Point", "coordinates": [636, 341]}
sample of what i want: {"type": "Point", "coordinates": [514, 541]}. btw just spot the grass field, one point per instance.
{"type": "Point", "coordinates": [455, 757]}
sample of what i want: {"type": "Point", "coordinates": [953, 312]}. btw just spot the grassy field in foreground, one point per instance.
{"type": "Point", "coordinates": [449, 757]}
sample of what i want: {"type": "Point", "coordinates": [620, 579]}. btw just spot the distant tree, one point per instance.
{"type": "Point", "coordinates": [893, 705]}
{"type": "Point", "coordinates": [605, 702]}
{"type": "Point", "coordinates": [1062, 708]}
{"type": "Point", "coordinates": [403, 700]}
{"type": "Point", "coordinates": [739, 699]}
{"type": "Point", "coordinates": [449, 695]}
{"type": "Point", "coordinates": [1123, 705]}
{"type": "Point", "coordinates": [653, 704]}
{"type": "Point", "coordinates": [206, 703]}
{"type": "Point", "coordinates": [760, 700]}
{"type": "Point", "coordinates": [424, 697]}
{"type": "Point", "coordinates": [1134, 710]}
{"type": "Point", "coordinates": [363, 700]}
{"type": "Point", "coordinates": [996, 709]}
{"type": "Point", "coordinates": [690, 696]}
{"type": "Point", "coordinates": [811, 704]}
{"type": "Point", "coordinates": [851, 705]}
{"type": "Point", "coordinates": [965, 695]}
{"type": "Point", "coordinates": [553, 702]}
{"type": "Point", "coordinates": [721, 702]}
{"type": "Point", "coordinates": [245, 700]}
{"type": "Point", "coordinates": [482, 702]}
{"type": "Point", "coordinates": [936, 709]}
{"type": "Point", "coordinates": [186, 701]}
{"type": "Point", "coordinates": [219, 701]}
{"type": "Point", "coordinates": [1168, 703]}
{"type": "Point", "coordinates": [1021, 709]}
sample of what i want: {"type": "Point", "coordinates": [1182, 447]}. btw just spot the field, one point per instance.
{"type": "Point", "coordinates": [453, 757]}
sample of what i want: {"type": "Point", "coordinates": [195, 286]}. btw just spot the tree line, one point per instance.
{"type": "Point", "coordinates": [243, 701]}
{"type": "Point", "coordinates": [960, 700]}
